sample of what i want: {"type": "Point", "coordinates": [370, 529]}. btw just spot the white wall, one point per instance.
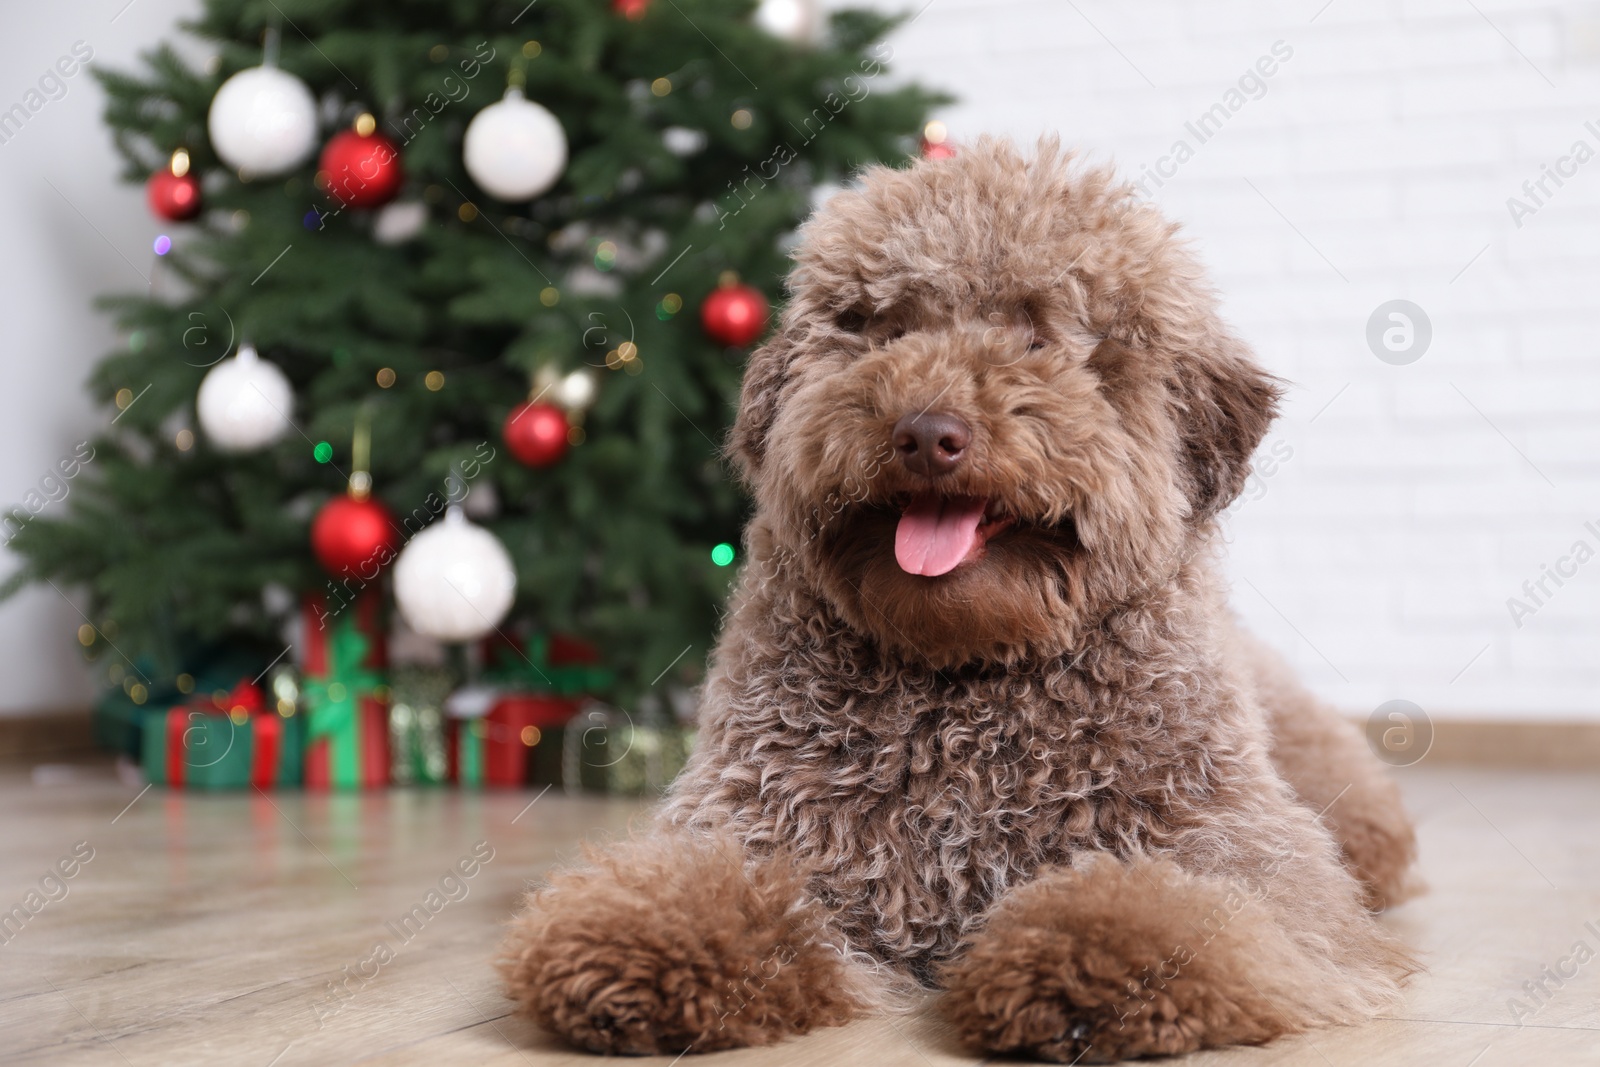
{"type": "Point", "coordinates": [1415, 499]}
{"type": "Point", "coordinates": [62, 246]}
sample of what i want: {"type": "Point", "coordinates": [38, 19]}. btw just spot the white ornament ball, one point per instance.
{"type": "Point", "coordinates": [454, 580]}
{"type": "Point", "coordinates": [576, 391]}
{"type": "Point", "coordinates": [682, 141]}
{"type": "Point", "coordinates": [794, 20]}
{"type": "Point", "coordinates": [399, 222]}
{"type": "Point", "coordinates": [263, 122]}
{"type": "Point", "coordinates": [244, 403]}
{"type": "Point", "coordinates": [514, 149]}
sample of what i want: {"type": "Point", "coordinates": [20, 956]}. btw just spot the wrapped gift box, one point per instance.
{"type": "Point", "coordinates": [607, 751]}
{"type": "Point", "coordinates": [530, 691]}
{"type": "Point", "coordinates": [231, 742]}
{"type": "Point", "coordinates": [418, 750]}
{"type": "Point", "coordinates": [518, 742]}
{"type": "Point", "coordinates": [345, 695]}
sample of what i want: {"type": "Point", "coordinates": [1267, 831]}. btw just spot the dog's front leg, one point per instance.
{"type": "Point", "coordinates": [1116, 958]}
{"type": "Point", "coordinates": [677, 942]}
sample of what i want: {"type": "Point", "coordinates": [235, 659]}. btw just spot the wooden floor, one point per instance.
{"type": "Point", "coordinates": [244, 929]}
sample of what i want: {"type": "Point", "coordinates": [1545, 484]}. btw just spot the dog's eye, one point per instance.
{"type": "Point", "coordinates": [850, 320]}
{"type": "Point", "coordinates": [1037, 343]}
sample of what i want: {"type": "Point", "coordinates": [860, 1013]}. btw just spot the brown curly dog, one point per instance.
{"type": "Point", "coordinates": [980, 718]}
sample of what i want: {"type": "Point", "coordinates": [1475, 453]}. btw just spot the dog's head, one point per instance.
{"type": "Point", "coordinates": [999, 404]}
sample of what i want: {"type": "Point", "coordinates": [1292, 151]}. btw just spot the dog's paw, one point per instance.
{"type": "Point", "coordinates": [664, 946]}
{"type": "Point", "coordinates": [1110, 963]}
{"type": "Point", "coordinates": [1060, 1010]}
{"type": "Point", "coordinates": [1052, 999]}
{"type": "Point", "coordinates": [620, 995]}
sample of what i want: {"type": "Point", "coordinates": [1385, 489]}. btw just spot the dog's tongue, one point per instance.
{"type": "Point", "coordinates": [936, 533]}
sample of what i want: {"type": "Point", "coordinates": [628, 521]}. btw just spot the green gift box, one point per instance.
{"type": "Point", "coordinates": [234, 743]}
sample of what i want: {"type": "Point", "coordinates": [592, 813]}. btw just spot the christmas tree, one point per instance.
{"type": "Point", "coordinates": [416, 284]}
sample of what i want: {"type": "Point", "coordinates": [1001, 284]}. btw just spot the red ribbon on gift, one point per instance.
{"type": "Point", "coordinates": [266, 736]}
{"type": "Point", "coordinates": [177, 730]}
{"type": "Point", "coordinates": [246, 696]}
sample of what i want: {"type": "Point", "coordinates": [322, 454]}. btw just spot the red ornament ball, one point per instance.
{"type": "Point", "coordinates": [354, 538]}
{"type": "Point", "coordinates": [941, 150]}
{"type": "Point", "coordinates": [632, 10]}
{"type": "Point", "coordinates": [361, 170]}
{"type": "Point", "coordinates": [536, 433]}
{"type": "Point", "coordinates": [172, 196]}
{"type": "Point", "coordinates": [734, 315]}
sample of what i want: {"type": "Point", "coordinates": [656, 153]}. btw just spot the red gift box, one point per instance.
{"type": "Point", "coordinates": [514, 724]}
{"type": "Point", "coordinates": [344, 650]}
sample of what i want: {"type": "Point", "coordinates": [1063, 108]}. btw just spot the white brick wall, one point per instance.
{"type": "Point", "coordinates": [1382, 552]}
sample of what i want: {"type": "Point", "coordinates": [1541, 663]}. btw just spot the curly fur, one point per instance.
{"type": "Point", "coordinates": [1034, 777]}
{"type": "Point", "coordinates": [1113, 959]}
{"type": "Point", "coordinates": [668, 945]}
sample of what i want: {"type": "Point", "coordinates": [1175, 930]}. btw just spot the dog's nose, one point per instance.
{"type": "Point", "coordinates": [931, 443]}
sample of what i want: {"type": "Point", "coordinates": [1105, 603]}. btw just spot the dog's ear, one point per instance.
{"type": "Point", "coordinates": [765, 375]}
{"type": "Point", "coordinates": [1223, 404]}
